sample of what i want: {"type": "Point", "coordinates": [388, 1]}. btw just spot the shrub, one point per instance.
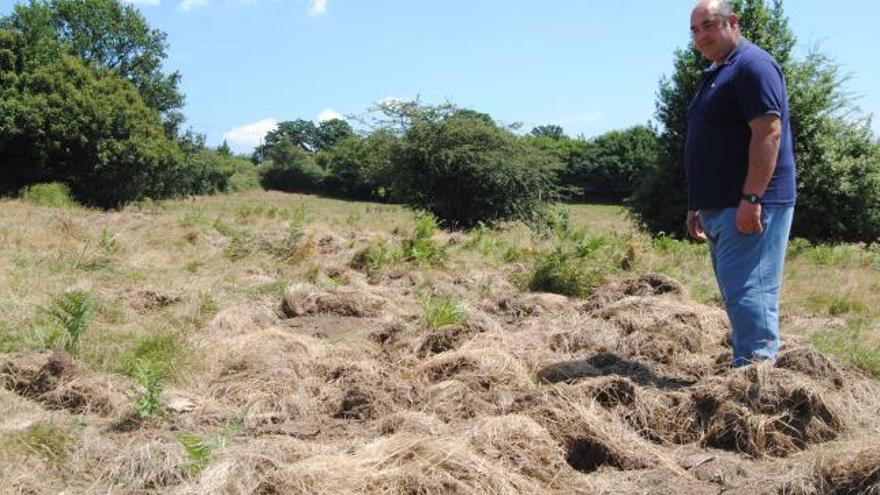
{"type": "Point", "coordinates": [464, 169]}
{"type": "Point", "coordinates": [52, 194]}
{"type": "Point", "coordinates": [291, 170]}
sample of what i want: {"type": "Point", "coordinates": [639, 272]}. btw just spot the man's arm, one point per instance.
{"type": "Point", "coordinates": [763, 153]}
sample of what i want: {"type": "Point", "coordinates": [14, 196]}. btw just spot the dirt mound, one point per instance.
{"type": "Point", "coordinates": [810, 363]}
{"type": "Point", "coordinates": [446, 339]}
{"type": "Point", "coordinates": [304, 299]}
{"type": "Point", "coordinates": [242, 319]}
{"type": "Point", "coordinates": [841, 474]}
{"type": "Point", "coordinates": [592, 438]}
{"type": "Point", "coordinates": [150, 299]}
{"type": "Point", "coordinates": [54, 380]}
{"type": "Point", "coordinates": [263, 371]}
{"type": "Point", "coordinates": [650, 284]}
{"type": "Point", "coordinates": [481, 369]}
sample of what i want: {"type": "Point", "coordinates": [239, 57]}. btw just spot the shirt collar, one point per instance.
{"type": "Point", "coordinates": [737, 50]}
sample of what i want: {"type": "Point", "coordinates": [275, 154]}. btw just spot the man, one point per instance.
{"type": "Point", "coordinates": [741, 177]}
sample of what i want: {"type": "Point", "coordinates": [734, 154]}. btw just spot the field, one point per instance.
{"type": "Point", "coordinates": [264, 342]}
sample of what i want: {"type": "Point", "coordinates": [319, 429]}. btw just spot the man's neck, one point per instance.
{"type": "Point", "coordinates": [726, 56]}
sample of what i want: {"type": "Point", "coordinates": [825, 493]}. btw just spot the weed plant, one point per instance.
{"type": "Point", "coordinates": [375, 257]}
{"type": "Point", "coordinates": [441, 311]}
{"type": "Point", "coordinates": [420, 246]}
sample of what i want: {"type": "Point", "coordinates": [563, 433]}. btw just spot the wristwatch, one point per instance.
{"type": "Point", "coordinates": [752, 198]}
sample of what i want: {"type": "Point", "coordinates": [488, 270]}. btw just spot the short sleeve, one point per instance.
{"type": "Point", "coordinates": [760, 89]}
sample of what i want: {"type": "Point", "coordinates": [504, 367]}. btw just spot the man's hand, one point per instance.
{"type": "Point", "coordinates": [694, 226]}
{"type": "Point", "coordinates": [748, 218]}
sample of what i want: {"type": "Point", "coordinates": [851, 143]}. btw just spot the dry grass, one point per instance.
{"type": "Point", "coordinates": [253, 306]}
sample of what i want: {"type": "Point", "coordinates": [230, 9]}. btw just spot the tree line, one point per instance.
{"type": "Point", "coordinates": [84, 101]}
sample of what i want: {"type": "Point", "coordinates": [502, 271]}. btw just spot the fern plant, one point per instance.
{"type": "Point", "coordinates": [150, 375]}
{"type": "Point", "coordinates": [200, 451]}
{"type": "Point", "coordinates": [72, 312]}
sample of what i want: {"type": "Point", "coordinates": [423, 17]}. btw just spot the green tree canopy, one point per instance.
{"type": "Point", "coordinates": [549, 131]}
{"type": "Point", "coordinates": [465, 169]}
{"type": "Point", "coordinates": [63, 121]}
{"type": "Point", "coordinates": [106, 34]}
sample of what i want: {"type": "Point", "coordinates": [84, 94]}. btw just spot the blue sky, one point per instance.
{"type": "Point", "coordinates": [590, 66]}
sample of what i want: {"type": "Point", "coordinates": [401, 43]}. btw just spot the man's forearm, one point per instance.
{"type": "Point", "coordinates": [763, 153]}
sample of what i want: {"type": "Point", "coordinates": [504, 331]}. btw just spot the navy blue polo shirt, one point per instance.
{"type": "Point", "coordinates": [747, 85]}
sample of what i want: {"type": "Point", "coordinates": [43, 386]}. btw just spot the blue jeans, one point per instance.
{"type": "Point", "coordinates": [748, 269]}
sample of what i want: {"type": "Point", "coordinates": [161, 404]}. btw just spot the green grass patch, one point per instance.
{"type": "Point", "coordinates": [374, 258]}
{"type": "Point", "coordinates": [858, 345]}
{"type": "Point", "coordinates": [441, 311]}
{"type": "Point", "coordinates": [45, 440]}
{"type": "Point", "coordinates": [165, 351]}
{"type": "Point", "coordinates": [562, 272]}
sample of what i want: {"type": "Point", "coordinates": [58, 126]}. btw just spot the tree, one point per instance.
{"type": "Point", "coordinates": [554, 132]}
{"type": "Point", "coordinates": [466, 170]}
{"type": "Point", "coordinates": [330, 132]}
{"type": "Point", "coordinates": [615, 161]}
{"type": "Point", "coordinates": [820, 116]}
{"type": "Point", "coordinates": [223, 149]}
{"type": "Point", "coordinates": [63, 121]}
{"type": "Point", "coordinates": [360, 167]}
{"type": "Point", "coordinates": [107, 34]}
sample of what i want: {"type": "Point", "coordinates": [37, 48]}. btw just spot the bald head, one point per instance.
{"type": "Point", "coordinates": [715, 7]}
{"type": "Point", "coordinates": [714, 29]}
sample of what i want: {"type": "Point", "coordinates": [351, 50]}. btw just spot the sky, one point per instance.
{"type": "Point", "coordinates": [590, 66]}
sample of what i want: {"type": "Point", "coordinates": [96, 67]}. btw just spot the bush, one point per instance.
{"type": "Point", "coordinates": [53, 194]}
{"type": "Point", "coordinates": [464, 169]}
{"type": "Point", "coordinates": [358, 167]}
{"type": "Point", "coordinates": [291, 169]}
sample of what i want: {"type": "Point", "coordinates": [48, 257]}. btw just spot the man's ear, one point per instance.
{"type": "Point", "coordinates": [733, 20]}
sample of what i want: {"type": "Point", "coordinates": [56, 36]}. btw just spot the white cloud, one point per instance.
{"type": "Point", "coordinates": [329, 114]}
{"type": "Point", "coordinates": [187, 5]}
{"type": "Point", "coordinates": [151, 3]}
{"type": "Point", "coordinates": [249, 136]}
{"type": "Point", "coordinates": [317, 7]}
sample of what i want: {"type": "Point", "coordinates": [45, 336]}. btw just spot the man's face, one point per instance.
{"type": "Point", "coordinates": [714, 35]}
